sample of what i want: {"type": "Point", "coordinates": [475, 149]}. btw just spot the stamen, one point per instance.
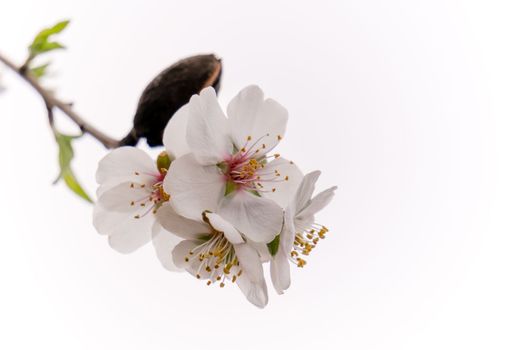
{"type": "Point", "coordinates": [216, 256]}
{"type": "Point", "coordinates": [305, 241]}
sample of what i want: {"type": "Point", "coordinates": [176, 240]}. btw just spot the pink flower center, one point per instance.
{"type": "Point", "coordinates": [152, 201]}
{"type": "Point", "coordinates": [247, 169]}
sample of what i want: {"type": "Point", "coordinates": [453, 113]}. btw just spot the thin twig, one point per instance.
{"type": "Point", "coordinates": [50, 117]}
{"type": "Point", "coordinates": [52, 102]}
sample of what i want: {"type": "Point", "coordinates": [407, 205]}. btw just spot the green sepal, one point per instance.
{"type": "Point", "coordinates": [255, 193]}
{"type": "Point", "coordinates": [273, 246]}
{"type": "Point", "coordinates": [223, 166]}
{"type": "Point", "coordinates": [230, 187]}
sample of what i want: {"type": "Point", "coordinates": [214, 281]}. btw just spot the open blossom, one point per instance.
{"type": "Point", "coordinates": [300, 232]}
{"type": "Point", "coordinates": [129, 195]}
{"type": "Point", "coordinates": [212, 249]}
{"type": "Point", "coordinates": [229, 169]}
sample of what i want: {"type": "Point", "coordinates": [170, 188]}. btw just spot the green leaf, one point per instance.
{"type": "Point", "coordinates": [41, 41]}
{"type": "Point", "coordinates": [273, 246]}
{"type": "Point", "coordinates": [45, 33]}
{"type": "Point", "coordinates": [65, 156]}
{"type": "Point", "coordinates": [71, 182]}
{"type": "Point", "coordinates": [39, 71]}
{"type": "Point", "coordinates": [50, 46]}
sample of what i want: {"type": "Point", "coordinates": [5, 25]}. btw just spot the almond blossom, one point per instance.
{"type": "Point", "coordinates": [129, 195]}
{"type": "Point", "coordinates": [300, 231]}
{"type": "Point", "coordinates": [229, 169]}
{"type": "Point", "coordinates": [218, 202]}
{"type": "Point", "coordinates": [213, 250]}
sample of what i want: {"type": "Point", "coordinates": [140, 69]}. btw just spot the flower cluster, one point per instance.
{"type": "Point", "coordinates": [219, 202]}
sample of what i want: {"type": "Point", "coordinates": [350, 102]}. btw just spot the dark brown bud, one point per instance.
{"type": "Point", "coordinates": [169, 91]}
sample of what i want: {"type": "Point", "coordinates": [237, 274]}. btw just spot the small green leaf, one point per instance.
{"type": "Point", "coordinates": [71, 182]}
{"type": "Point", "coordinates": [273, 246]}
{"type": "Point", "coordinates": [45, 33]}
{"type": "Point", "coordinates": [40, 71]}
{"type": "Point", "coordinates": [41, 41]}
{"type": "Point", "coordinates": [50, 46]}
{"type": "Point", "coordinates": [65, 156]}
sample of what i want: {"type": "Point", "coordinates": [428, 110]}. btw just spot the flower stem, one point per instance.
{"type": "Point", "coordinates": [52, 102]}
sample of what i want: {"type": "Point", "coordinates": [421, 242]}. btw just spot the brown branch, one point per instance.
{"type": "Point", "coordinates": [52, 102]}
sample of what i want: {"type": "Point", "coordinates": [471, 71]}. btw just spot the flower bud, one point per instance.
{"type": "Point", "coordinates": [169, 91]}
{"type": "Point", "coordinates": [163, 162]}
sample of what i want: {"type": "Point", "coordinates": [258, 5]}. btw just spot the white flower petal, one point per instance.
{"type": "Point", "coordinates": [131, 237]}
{"type": "Point", "coordinates": [115, 217]}
{"type": "Point", "coordinates": [207, 132]}
{"type": "Point", "coordinates": [305, 190]}
{"type": "Point", "coordinates": [174, 137]}
{"type": "Point", "coordinates": [251, 282]}
{"type": "Point", "coordinates": [181, 251]}
{"type": "Point", "coordinates": [120, 198]}
{"type": "Point", "coordinates": [260, 219]}
{"type": "Point", "coordinates": [255, 293]}
{"type": "Point", "coordinates": [280, 272]}
{"type": "Point", "coordinates": [249, 115]}
{"type": "Point", "coordinates": [288, 233]}
{"type": "Point", "coordinates": [221, 225]}
{"type": "Point", "coordinates": [122, 164]}
{"type": "Point", "coordinates": [193, 188]}
{"type": "Point", "coordinates": [286, 183]}
{"type": "Point", "coordinates": [262, 250]}
{"type": "Point", "coordinates": [317, 203]}
{"type": "Point", "coordinates": [179, 225]}
{"type": "Point", "coordinates": [280, 267]}
{"type": "Point", "coordinates": [164, 242]}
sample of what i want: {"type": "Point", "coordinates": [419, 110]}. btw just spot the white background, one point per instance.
{"type": "Point", "coordinates": [414, 108]}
